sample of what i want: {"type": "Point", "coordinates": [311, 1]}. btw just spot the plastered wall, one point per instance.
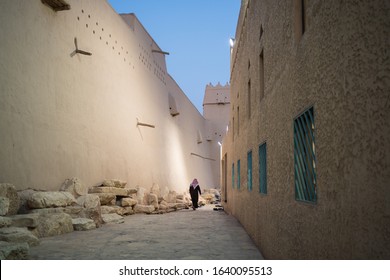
{"type": "Point", "coordinates": [216, 110]}
{"type": "Point", "coordinates": [340, 67]}
{"type": "Point", "coordinates": [66, 115]}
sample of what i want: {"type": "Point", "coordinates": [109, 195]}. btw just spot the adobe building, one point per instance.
{"type": "Point", "coordinates": [216, 111]}
{"type": "Point", "coordinates": [307, 155]}
{"type": "Point", "coordinates": [86, 93]}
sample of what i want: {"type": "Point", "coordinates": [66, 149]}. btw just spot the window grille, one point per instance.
{"type": "Point", "coordinates": [249, 158]}
{"type": "Point", "coordinates": [233, 175]}
{"type": "Point", "coordinates": [263, 168]}
{"type": "Point", "coordinates": [304, 157]}
{"type": "Point", "coordinates": [238, 174]}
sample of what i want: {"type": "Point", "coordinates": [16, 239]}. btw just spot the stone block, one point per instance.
{"type": "Point", "coordinates": [114, 183]}
{"type": "Point", "coordinates": [127, 201]}
{"type": "Point", "coordinates": [113, 218]}
{"type": "Point", "coordinates": [14, 251]}
{"type": "Point", "coordinates": [140, 208]}
{"type": "Point", "coordinates": [152, 200]}
{"type": "Point", "coordinates": [106, 198]}
{"type": "Point", "coordinates": [141, 197]}
{"type": "Point", "coordinates": [108, 209]}
{"type": "Point", "coordinates": [9, 191]}
{"type": "Point", "coordinates": [18, 235]}
{"type": "Point", "coordinates": [171, 197]}
{"type": "Point", "coordinates": [50, 199]}
{"type": "Point", "coordinates": [116, 191]}
{"type": "Point", "coordinates": [89, 201]}
{"type": "Point", "coordinates": [4, 206]}
{"type": "Point", "coordinates": [5, 221]}
{"type": "Point", "coordinates": [25, 220]}
{"type": "Point", "coordinates": [128, 210]}
{"type": "Point", "coordinates": [54, 224]}
{"type": "Point", "coordinates": [74, 186]}
{"type": "Point", "coordinates": [155, 190]}
{"type": "Point", "coordinates": [24, 196]}
{"type": "Point", "coordinates": [82, 224]}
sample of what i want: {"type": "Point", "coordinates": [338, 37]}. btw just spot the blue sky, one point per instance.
{"type": "Point", "coordinates": [196, 34]}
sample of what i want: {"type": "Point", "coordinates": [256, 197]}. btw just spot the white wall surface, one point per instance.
{"type": "Point", "coordinates": [63, 116]}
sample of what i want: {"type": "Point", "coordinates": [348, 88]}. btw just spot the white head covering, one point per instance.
{"type": "Point", "coordinates": [194, 183]}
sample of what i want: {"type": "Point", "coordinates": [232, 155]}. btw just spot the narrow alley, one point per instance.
{"type": "Point", "coordinates": [203, 234]}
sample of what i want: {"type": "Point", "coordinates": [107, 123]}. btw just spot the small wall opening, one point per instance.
{"type": "Point", "coordinates": [173, 109]}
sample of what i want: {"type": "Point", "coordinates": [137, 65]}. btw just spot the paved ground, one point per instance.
{"type": "Point", "coordinates": [203, 234]}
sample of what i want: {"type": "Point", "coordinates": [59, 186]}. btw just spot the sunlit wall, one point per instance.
{"type": "Point", "coordinates": [64, 113]}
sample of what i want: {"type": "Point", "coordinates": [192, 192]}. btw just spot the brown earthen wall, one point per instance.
{"type": "Point", "coordinates": [340, 67]}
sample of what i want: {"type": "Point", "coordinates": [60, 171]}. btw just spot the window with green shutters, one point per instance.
{"type": "Point", "coordinates": [305, 157]}
{"type": "Point", "coordinates": [263, 168]}
{"type": "Point", "coordinates": [249, 167]}
{"type": "Point", "coordinates": [238, 174]}
{"type": "Point", "coordinates": [233, 175]}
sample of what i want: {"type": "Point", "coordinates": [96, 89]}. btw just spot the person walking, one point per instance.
{"type": "Point", "coordinates": [195, 192]}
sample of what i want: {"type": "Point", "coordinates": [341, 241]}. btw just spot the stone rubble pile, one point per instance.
{"type": "Point", "coordinates": [28, 215]}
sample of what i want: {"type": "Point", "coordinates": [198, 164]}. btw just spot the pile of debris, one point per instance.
{"type": "Point", "coordinates": [28, 215]}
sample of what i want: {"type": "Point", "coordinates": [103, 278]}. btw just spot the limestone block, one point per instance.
{"type": "Point", "coordinates": [89, 201]}
{"type": "Point", "coordinates": [155, 190]}
{"type": "Point", "coordinates": [74, 186]}
{"type": "Point", "coordinates": [81, 224]}
{"type": "Point", "coordinates": [215, 192]}
{"type": "Point", "coordinates": [177, 206]}
{"type": "Point", "coordinates": [127, 201]}
{"type": "Point", "coordinates": [54, 224]}
{"type": "Point", "coordinates": [201, 201]}
{"type": "Point", "coordinates": [5, 221]}
{"type": "Point", "coordinates": [25, 220]}
{"type": "Point", "coordinates": [128, 210]}
{"type": "Point", "coordinates": [9, 191]}
{"type": "Point", "coordinates": [114, 183]}
{"type": "Point", "coordinates": [93, 213]}
{"type": "Point", "coordinates": [74, 210]}
{"type": "Point", "coordinates": [130, 191]}
{"type": "Point", "coordinates": [50, 199]}
{"type": "Point", "coordinates": [4, 206]}
{"type": "Point", "coordinates": [152, 200]}
{"type": "Point", "coordinates": [180, 206]}
{"type": "Point", "coordinates": [106, 198]}
{"type": "Point", "coordinates": [141, 198]}
{"type": "Point", "coordinates": [164, 191]}
{"type": "Point", "coordinates": [209, 197]}
{"type": "Point", "coordinates": [112, 190]}
{"type": "Point", "coordinates": [187, 200]}
{"type": "Point", "coordinates": [113, 218]}
{"type": "Point", "coordinates": [109, 209]}
{"type": "Point", "coordinates": [18, 235]}
{"type": "Point", "coordinates": [14, 251]}
{"type": "Point", "coordinates": [171, 198]}
{"type": "Point", "coordinates": [24, 196]}
{"type": "Point", "coordinates": [180, 196]}
{"type": "Point", "coordinates": [163, 205]}
{"type": "Point", "coordinates": [141, 208]}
